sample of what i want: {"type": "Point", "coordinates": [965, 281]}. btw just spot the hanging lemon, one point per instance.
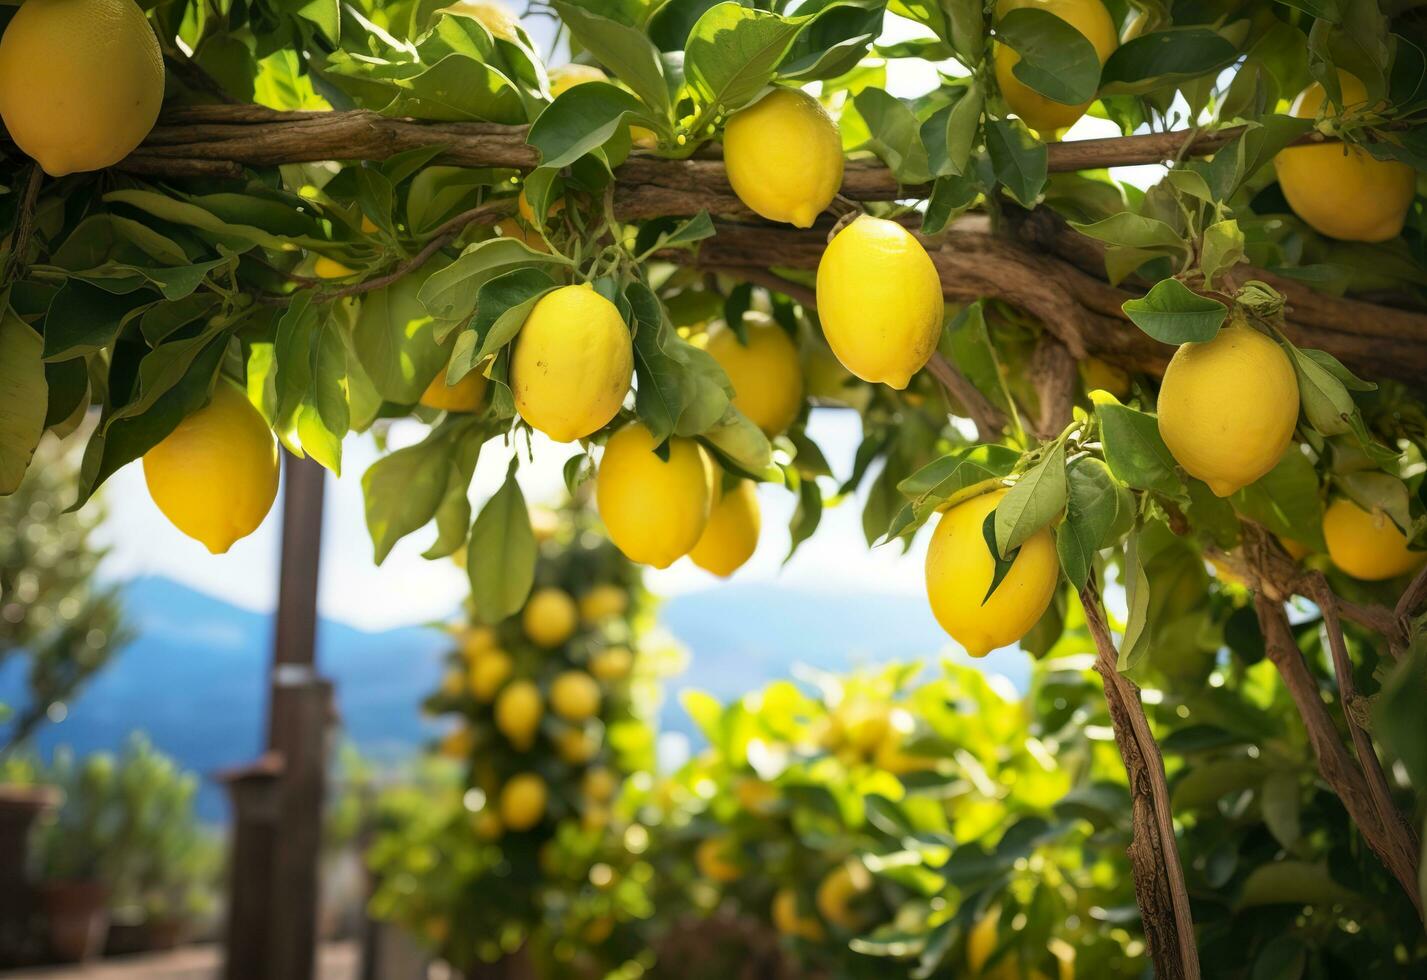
{"type": "Point", "coordinates": [766, 372]}
{"type": "Point", "coordinates": [517, 713]}
{"type": "Point", "coordinates": [575, 696]}
{"type": "Point", "coordinates": [522, 801]}
{"type": "Point", "coordinates": [1367, 546]}
{"type": "Point", "coordinates": [731, 535]}
{"type": "Point", "coordinates": [1046, 116]}
{"type": "Point", "coordinates": [549, 617]}
{"type": "Point", "coordinates": [465, 395]}
{"type": "Point", "coordinates": [783, 156]}
{"type": "Point", "coordinates": [654, 510]}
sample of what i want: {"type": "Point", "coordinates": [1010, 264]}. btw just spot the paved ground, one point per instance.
{"type": "Point", "coordinates": [338, 961]}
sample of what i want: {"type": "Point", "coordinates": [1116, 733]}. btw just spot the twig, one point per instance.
{"type": "Point", "coordinates": [1412, 597]}
{"type": "Point", "coordinates": [1154, 855]}
{"type": "Point", "coordinates": [990, 421]}
{"type": "Point", "coordinates": [24, 226]}
{"type": "Point", "coordinates": [1053, 376]}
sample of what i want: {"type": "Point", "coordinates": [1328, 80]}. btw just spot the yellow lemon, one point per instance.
{"type": "Point", "coordinates": [1091, 19]}
{"type": "Point", "coordinates": [789, 920]}
{"type": "Point", "coordinates": [81, 82]}
{"type": "Point", "coordinates": [510, 228]}
{"type": "Point", "coordinates": [457, 744]}
{"type": "Point", "coordinates": [1098, 375]}
{"type": "Point", "coordinates": [754, 795]}
{"type": "Point", "coordinates": [880, 301]}
{"type": "Point", "coordinates": [575, 695]}
{"type": "Point", "coordinates": [325, 268]}
{"type": "Point", "coordinates": [549, 618]}
{"type": "Point", "coordinates": [493, 16]}
{"type": "Point", "coordinates": [517, 713]}
{"type": "Point", "coordinates": [215, 475]}
{"type": "Point", "coordinates": [612, 664]}
{"type": "Point", "coordinates": [981, 939]}
{"type": "Point", "coordinates": [572, 363]}
{"type": "Point", "coordinates": [1296, 549]}
{"type": "Point", "coordinates": [527, 210]}
{"type": "Point", "coordinates": [476, 640]}
{"type": "Point", "coordinates": [368, 226]}
{"type": "Point", "coordinates": [603, 602]}
{"type": "Point", "coordinates": [783, 156]}
{"type": "Point", "coordinates": [717, 860]}
{"type": "Point", "coordinates": [576, 746]}
{"type": "Point", "coordinates": [655, 511]}
{"type": "Point", "coordinates": [766, 373]}
{"type": "Point", "coordinates": [1227, 407]}
{"type": "Point", "coordinates": [1367, 546]}
{"type": "Point", "coordinates": [522, 801]}
{"type": "Point", "coordinates": [465, 395]}
{"type": "Point", "coordinates": [599, 784]}
{"type": "Point", "coordinates": [839, 890]}
{"type": "Point", "coordinates": [731, 535]}
{"type": "Point", "coordinates": [565, 77]}
{"type": "Point", "coordinates": [1340, 190]}
{"type": "Point", "coordinates": [488, 672]}
{"type": "Point", "coordinates": [960, 569]}
{"type": "Point", "coordinates": [487, 825]}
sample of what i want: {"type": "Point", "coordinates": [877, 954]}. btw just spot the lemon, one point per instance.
{"type": "Point", "coordinates": [576, 746]}
{"type": "Point", "coordinates": [1098, 375]}
{"type": "Point", "coordinates": [81, 82]}
{"type": "Point", "coordinates": [487, 825]}
{"type": "Point", "coordinates": [599, 784]}
{"type": "Point", "coordinates": [603, 602]}
{"type": "Point", "coordinates": [457, 744]}
{"type": "Point", "coordinates": [453, 684]}
{"type": "Point", "coordinates": [790, 921]}
{"type": "Point", "coordinates": [960, 569]}
{"type": "Point", "coordinates": [783, 156]}
{"type": "Point", "coordinates": [522, 801]}
{"type": "Point", "coordinates": [766, 373]}
{"type": "Point", "coordinates": [880, 301]}
{"type": "Point", "coordinates": [527, 210]}
{"type": "Point", "coordinates": [565, 77]}
{"type": "Point", "coordinates": [368, 226]}
{"type": "Point", "coordinates": [493, 16]}
{"type": "Point", "coordinates": [655, 511]}
{"type": "Point", "coordinates": [1228, 406]}
{"type": "Point", "coordinates": [1367, 546]}
{"type": "Point", "coordinates": [510, 228]}
{"type": "Point", "coordinates": [517, 713]}
{"type": "Point", "coordinates": [549, 618]}
{"type": "Point", "coordinates": [717, 860]}
{"type": "Point", "coordinates": [488, 672]}
{"type": "Point", "coordinates": [839, 890]}
{"type": "Point", "coordinates": [731, 535]}
{"type": "Point", "coordinates": [981, 939]}
{"type": "Point", "coordinates": [1091, 19]}
{"type": "Point", "coordinates": [1340, 190]}
{"type": "Point", "coordinates": [476, 640]}
{"type": "Point", "coordinates": [612, 664]}
{"type": "Point", "coordinates": [572, 363]}
{"type": "Point", "coordinates": [465, 395]}
{"type": "Point", "coordinates": [575, 696]}
{"type": "Point", "coordinates": [754, 795]}
{"type": "Point", "coordinates": [325, 268]}
{"type": "Point", "coordinates": [215, 475]}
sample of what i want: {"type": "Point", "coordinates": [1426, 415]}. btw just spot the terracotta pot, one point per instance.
{"type": "Point", "coordinates": [20, 806]}
{"type": "Point", "coordinates": [77, 913]}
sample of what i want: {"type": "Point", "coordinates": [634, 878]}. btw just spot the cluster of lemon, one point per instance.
{"type": "Point", "coordinates": [541, 684]}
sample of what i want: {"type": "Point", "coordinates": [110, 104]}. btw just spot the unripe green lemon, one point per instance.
{"type": "Point", "coordinates": [783, 156]}
{"type": "Point", "coordinates": [766, 373]}
{"type": "Point", "coordinates": [654, 510]}
{"type": "Point", "coordinates": [572, 363]}
{"type": "Point", "coordinates": [522, 801]}
{"type": "Point", "coordinates": [549, 617]}
{"type": "Point", "coordinates": [1342, 191]}
{"type": "Point", "coordinates": [1091, 19]}
{"type": "Point", "coordinates": [81, 82]}
{"type": "Point", "coordinates": [880, 301]}
{"type": "Point", "coordinates": [215, 475]}
{"type": "Point", "coordinates": [731, 535]}
{"type": "Point", "coordinates": [960, 570]}
{"type": "Point", "coordinates": [1367, 546]}
{"type": "Point", "coordinates": [1228, 407]}
{"type": "Point", "coordinates": [575, 695]}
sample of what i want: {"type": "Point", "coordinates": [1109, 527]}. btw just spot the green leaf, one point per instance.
{"type": "Point", "coordinates": [583, 119]}
{"type": "Point", "coordinates": [1373, 491]}
{"type": "Point", "coordinates": [1150, 59]}
{"type": "Point", "coordinates": [403, 489]}
{"type": "Point", "coordinates": [1223, 249]}
{"type": "Point", "coordinates": [1135, 451]}
{"type": "Point", "coordinates": [503, 305]}
{"type": "Point", "coordinates": [395, 337]}
{"type": "Point", "coordinates": [896, 135]}
{"type": "Point", "coordinates": [948, 481]}
{"type": "Point", "coordinates": [1018, 159]}
{"type": "Point", "coordinates": [1286, 500]}
{"type": "Point", "coordinates": [1094, 504]}
{"type": "Point", "coordinates": [500, 557]}
{"type": "Point", "coordinates": [806, 516]}
{"type": "Point", "coordinates": [624, 50]}
{"type": "Point", "coordinates": [24, 398]}
{"type": "Point", "coordinates": [834, 41]}
{"type": "Point", "coordinates": [1035, 500]}
{"type": "Point", "coordinates": [1133, 231]}
{"type": "Point", "coordinates": [1002, 563]}
{"type": "Point", "coordinates": [1172, 313]}
{"type": "Point", "coordinates": [450, 293]}
{"type": "Point", "coordinates": [950, 134]}
{"type": "Point", "coordinates": [681, 389]}
{"type": "Point", "coordinates": [1056, 59]}
{"type": "Point", "coordinates": [1279, 800]}
{"type": "Point", "coordinates": [1398, 718]}
{"type": "Point", "coordinates": [1135, 643]}
{"type": "Point", "coordinates": [733, 51]}
{"type": "Point", "coordinates": [1326, 400]}
{"type": "Point", "coordinates": [83, 318]}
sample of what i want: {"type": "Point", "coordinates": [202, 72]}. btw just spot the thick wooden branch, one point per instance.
{"type": "Point", "coordinates": [1154, 855]}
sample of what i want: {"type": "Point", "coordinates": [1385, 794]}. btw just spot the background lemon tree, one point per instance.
{"type": "Point", "coordinates": [600, 277]}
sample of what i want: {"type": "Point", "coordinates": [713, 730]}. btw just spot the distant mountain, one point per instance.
{"type": "Point", "coordinates": [196, 678]}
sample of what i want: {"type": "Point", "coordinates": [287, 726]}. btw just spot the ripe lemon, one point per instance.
{"type": "Point", "coordinates": [880, 301]}
{"type": "Point", "coordinates": [215, 475]}
{"type": "Point", "coordinates": [716, 859]}
{"type": "Point", "coordinates": [612, 664]}
{"type": "Point", "coordinates": [527, 210]}
{"type": "Point", "coordinates": [465, 395]}
{"type": "Point", "coordinates": [487, 825]}
{"type": "Point", "coordinates": [599, 784]}
{"type": "Point", "coordinates": [654, 511]}
{"type": "Point", "coordinates": [81, 82]}
{"type": "Point", "coordinates": [517, 713]}
{"type": "Point", "coordinates": [788, 920]}
{"type": "Point", "coordinates": [766, 373]}
{"type": "Point", "coordinates": [476, 640]}
{"type": "Point", "coordinates": [1090, 18]}
{"type": "Point", "coordinates": [572, 364]}
{"type": "Point", "coordinates": [457, 744]}
{"type": "Point", "coordinates": [960, 569]}
{"type": "Point", "coordinates": [522, 801]}
{"type": "Point", "coordinates": [510, 228]}
{"type": "Point", "coordinates": [731, 535]}
{"type": "Point", "coordinates": [1227, 407]}
{"type": "Point", "coordinates": [839, 890]}
{"type": "Point", "coordinates": [488, 672]}
{"type": "Point", "coordinates": [576, 746]}
{"type": "Point", "coordinates": [1098, 375]}
{"type": "Point", "coordinates": [565, 77]}
{"type": "Point", "coordinates": [603, 602]}
{"type": "Point", "coordinates": [1367, 546]}
{"type": "Point", "coordinates": [494, 16]}
{"type": "Point", "coordinates": [549, 618]}
{"type": "Point", "coordinates": [1340, 190]}
{"type": "Point", "coordinates": [325, 268]}
{"type": "Point", "coordinates": [575, 695]}
{"type": "Point", "coordinates": [783, 156]}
